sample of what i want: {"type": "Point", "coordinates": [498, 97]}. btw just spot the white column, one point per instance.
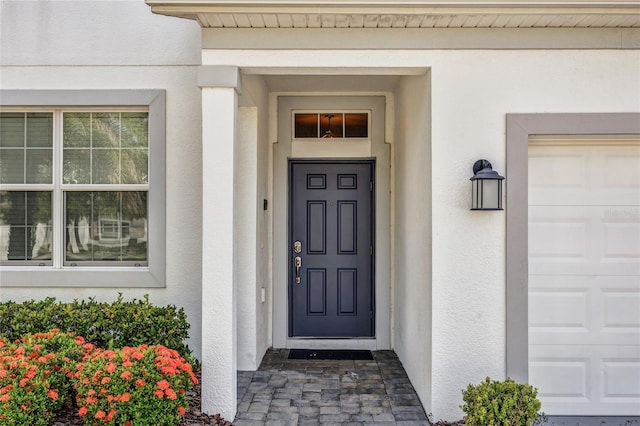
{"type": "Point", "coordinates": [219, 341]}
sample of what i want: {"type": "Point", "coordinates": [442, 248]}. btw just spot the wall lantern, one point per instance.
{"type": "Point", "coordinates": [486, 187]}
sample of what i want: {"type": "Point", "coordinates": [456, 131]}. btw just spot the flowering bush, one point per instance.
{"type": "Point", "coordinates": [34, 376]}
{"type": "Point", "coordinates": [139, 386]}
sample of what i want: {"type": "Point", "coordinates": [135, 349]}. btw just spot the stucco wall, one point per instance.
{"type": "Point", "coordinates": [471, 91]}
{"type": "Point", "coordinates": [412, 232]}
{"type": "Point", "coordinates": [121, 45]}
{"type": "Point", "coordinates": [253, 249]}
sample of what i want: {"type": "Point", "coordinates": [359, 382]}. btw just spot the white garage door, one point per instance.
{"type": "Point", "coordinates": [584, 276]}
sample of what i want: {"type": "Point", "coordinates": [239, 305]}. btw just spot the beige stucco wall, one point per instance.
{"type": "Point", "coordinates": [412, 268]}
{"type": "Point", "coordinates": [449, 312]}
{"type": "Point", "coordinates": [471, 93]}
{"type": "Point", "coordinates": [121, 45]}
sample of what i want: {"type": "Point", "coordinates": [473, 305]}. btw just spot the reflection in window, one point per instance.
{"type": "Point", "coordinates": [106, 148]}
{"type": "Point", "coordinates": [25, 226]}
{"type": "Point", "coordinates": [106, 226]}
{"type": "Point", "coordinates": [327, 125]}
{"type": "Point", "coordinates": [100, 150]}
{"type": "Point", "coordinates": [26, 147]}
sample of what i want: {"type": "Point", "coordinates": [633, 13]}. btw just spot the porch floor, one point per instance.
{"type": "Point", "coordinates": [315, 392]}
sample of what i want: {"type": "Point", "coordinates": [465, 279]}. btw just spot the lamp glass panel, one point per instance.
{"type": "Point", "coordinates": [475, 201]}
{"type": "Point", "coordinates": [490, 193]}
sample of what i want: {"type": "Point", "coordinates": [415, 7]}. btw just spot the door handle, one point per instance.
{"type": "Point", "coordinates": [297, 261]}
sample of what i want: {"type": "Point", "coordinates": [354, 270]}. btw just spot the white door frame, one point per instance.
{"type": "Point", "coordinates": [280, 113]}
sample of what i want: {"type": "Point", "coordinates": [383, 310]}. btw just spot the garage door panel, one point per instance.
{"type": "Point", "coordinates": [622, 172]}
{"type": "Point", "coordinates": [560, 378]}
{"type": "Point", "coordinates": [621, 379]}
{"type": "Point", "coordinates": [558, 309]}
{"type": "Point", "coordinates": [586, 379]}
{"type": "Point", "coordinates": [584, 276]}
{"type": "Point", "coordinates": [584, 175]}
{"type": "Point", "coordinates": [601, 240]}
{"type": "Point", "coordinates": [557, 170]}
{"type": "Point", "coordinates": [621, 241]}
{"type": "Point", "coordinates": [584, 310]}
{"type": "Point", "coordinates": [622, 309]}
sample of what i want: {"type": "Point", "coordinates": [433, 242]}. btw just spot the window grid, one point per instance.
{"type": "Point", "coordinates": [58, 188]}
{"type": "Point", "coordinates": [337, 114]}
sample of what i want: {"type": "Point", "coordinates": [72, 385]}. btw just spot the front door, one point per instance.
{"type": "Point", "coordinates": [331, 249]}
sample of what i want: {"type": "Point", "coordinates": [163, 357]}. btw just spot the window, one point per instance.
{"type": "Point", "coordinates": [82, 188]}
{"type": "Point", "coordinates": [323, 125]}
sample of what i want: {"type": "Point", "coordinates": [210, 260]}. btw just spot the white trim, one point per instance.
{"type": "Point", "coordinates": [420, 38]}
{"type": "Point", "coordinates": [282, 148]}
{"type": "Point", "coordinates": [366, 344]}
{"type": "Point", "coordinates": [56, 276]}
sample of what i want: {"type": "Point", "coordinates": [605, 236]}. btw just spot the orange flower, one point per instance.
{"type": "Point", "coordinates": [100, 415]}
{"type": "Point", "coordinates": [53, 394]}
{"type": "Point", "coordinates": [127, 364]}
{"type": "Point", "coordinates": [106, 380]}
{"type": "Point", "coordinates": [126, 375]}
{"type": "Point", "coordinates": [110, 415]}
{"type": "Point", "coordinates": [163, 384]}
{"type": "Point", "coordinates": [171, 394]}
{"type": "Point", "coordinates": [23, 382]}
{"type": "Point", "coordinates": [158, 393]}
{"type": "Point", "coordinates": [83, 411]}
{"type": "Point", "coordinates": [111, 367]}
{"type": "Point", "coordinates": [125, 397]}
{"type": "Point", "coordinates": [181, 410]}
{"type": "Point", "coordinates": [4, 398]}
{"type": "Point", "coordinates": [128, 423]}
{"type": "Point", "coordinates": [140, 383]}
{"type": "Point", "coordinates": [79, 340]}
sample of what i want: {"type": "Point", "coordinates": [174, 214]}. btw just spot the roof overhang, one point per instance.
{"type": "Point", "coordinates": [404, 13]}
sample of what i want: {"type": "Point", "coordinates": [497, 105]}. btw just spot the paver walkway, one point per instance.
{"type": "Point", "coordinates": [321, 392]}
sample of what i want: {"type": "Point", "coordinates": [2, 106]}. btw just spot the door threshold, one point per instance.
{"type": "Point", "coordinates": [304, 343]}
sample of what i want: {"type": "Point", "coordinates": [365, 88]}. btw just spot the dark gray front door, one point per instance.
{"type": "Point", "coordinates": [331, 289]}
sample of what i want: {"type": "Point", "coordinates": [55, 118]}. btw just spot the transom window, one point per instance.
{"type": "Point", "coordinates": [331, 125]}
{"type": "Point", "coordinates": [74, 187]}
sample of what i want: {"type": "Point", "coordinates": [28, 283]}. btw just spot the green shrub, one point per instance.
{"type": "Point", "coordinates": [106, 325]}
{"type": "Point", "coordinates": [495, 403]}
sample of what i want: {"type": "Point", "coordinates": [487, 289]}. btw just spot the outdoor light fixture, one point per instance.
{"type": "Point", "coordinates": [486, 187]}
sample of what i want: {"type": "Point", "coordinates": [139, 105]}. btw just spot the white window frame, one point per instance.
{"type": "Point", "coordinates": [57, 275]}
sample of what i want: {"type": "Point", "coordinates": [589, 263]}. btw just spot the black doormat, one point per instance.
{"type": "Point", "coordinates": [329, 354]}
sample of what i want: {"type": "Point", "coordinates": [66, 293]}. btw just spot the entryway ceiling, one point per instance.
{"type": "Point", "coordinates": [404, 13]}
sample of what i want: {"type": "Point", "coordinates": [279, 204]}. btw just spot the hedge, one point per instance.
{"type": "Point", "coordinates": [106, 325]}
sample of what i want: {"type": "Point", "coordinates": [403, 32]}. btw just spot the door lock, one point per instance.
{"type": "Point", "coordinates": [297, 247]}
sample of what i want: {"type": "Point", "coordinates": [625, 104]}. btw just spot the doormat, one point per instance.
{"type": "Point", "coordinates": [352, 355]}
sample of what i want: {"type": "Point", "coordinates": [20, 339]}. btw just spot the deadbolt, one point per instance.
{"type": "Point", "coordinates": [297, 247]}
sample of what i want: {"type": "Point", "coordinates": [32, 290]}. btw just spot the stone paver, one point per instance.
{"type": "Point", "coordinates": [321, 392]}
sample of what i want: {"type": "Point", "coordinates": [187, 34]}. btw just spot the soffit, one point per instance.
{"type": "Point", "coordinates": [404, 13]}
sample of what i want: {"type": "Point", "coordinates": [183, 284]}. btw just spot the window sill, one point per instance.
{"type": "Point", "coordinates": [111, 277]}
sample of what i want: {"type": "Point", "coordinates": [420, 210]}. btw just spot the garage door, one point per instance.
{"type": "Point", "coordinates": [584, 276]}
